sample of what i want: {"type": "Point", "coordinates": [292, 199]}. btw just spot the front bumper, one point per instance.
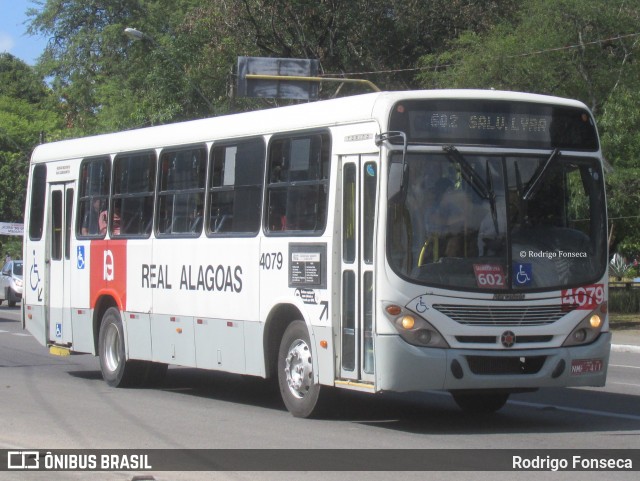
{"type": "Point", "coordinates": [403, 367]}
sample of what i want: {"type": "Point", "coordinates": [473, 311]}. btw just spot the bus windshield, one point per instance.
{"type": "Point", "coordinates": [497, 222]}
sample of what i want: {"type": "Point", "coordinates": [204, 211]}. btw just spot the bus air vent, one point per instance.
{"type": "Point", "coordinates": [503, 315]}
{"type": "Point", "coordinates": [493, 339]}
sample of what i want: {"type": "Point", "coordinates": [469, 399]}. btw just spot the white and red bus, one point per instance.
{"type": "Point", "coordinates": [397, 241]}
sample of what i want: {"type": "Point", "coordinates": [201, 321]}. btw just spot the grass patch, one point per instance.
{"type": "Point", "coordinates": [624, 301]}
{"type": "Point", "coordinates": [622, 321]}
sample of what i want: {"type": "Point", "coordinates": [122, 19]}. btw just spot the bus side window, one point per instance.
{"type": "Point", "coordinates": [93, 197]}
{"type": "Point", "coordinates": [181, 191]}
{"type": "Point", "coordinates": [298, 183]}
{"type": "Point", "coordinates": [236, 185]}
{"type": "Point", "coordinates": [38, 194]}
{"type": "Point", "coordinates": [133, 189]}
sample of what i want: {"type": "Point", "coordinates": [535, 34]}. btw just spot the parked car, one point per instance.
{"type": "Point", "coordinates": [11, 282]}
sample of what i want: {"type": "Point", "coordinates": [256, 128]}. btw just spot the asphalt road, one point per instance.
{"type": "Point", "coordinates": [52, 402]}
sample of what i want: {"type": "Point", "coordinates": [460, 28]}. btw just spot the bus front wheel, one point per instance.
{"type": "Point", "coordinates": [298, 388]}
{"type": "Point", "coordinates": [117, 371]}
{"type": "Point", "coordinates": [480, 402]}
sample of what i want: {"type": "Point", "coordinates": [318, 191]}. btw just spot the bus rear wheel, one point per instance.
{"type": "Point", "coordinates": [117, 371]}
{"type": "Point", "coordinates": [480, 402]}
{"type": "Point", "coordinates": [298, 388]}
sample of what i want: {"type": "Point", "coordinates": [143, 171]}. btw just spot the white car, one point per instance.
{"type": "Point", "coordinates": [11, 282]}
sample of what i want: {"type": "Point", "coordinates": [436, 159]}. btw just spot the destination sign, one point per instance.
{"type": "Point", "coordinates": [483, 122]}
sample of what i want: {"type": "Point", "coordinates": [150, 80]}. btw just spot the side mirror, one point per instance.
{"type": "Point", "coordinates": [397, 170]}
{"type": "Point", "coordinates": [395, 181]}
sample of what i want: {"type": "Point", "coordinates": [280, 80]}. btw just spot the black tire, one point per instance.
{"type": "Point", "coordinates": [12, 298]}
{"type": "Point", "coordinates": [117, 371]}
{"type": "Point", "coordinates": [299, 391]}
{"type": "Point", "coordinates": [481, 402]}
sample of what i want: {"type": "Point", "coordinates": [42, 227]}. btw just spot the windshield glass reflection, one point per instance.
{"type": "Point", "coordinates": [498, 222]}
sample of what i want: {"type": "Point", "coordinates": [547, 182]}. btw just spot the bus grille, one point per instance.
{"type": "Point", "coordinates": [503, 316]}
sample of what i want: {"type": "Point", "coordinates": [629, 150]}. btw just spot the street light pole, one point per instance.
{"type": "Point", "coordinates": [138, 36]}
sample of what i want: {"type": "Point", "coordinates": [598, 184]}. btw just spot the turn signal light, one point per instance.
{"type": "Point", "coordinates": [595, 321]}
{"type": "Point", "coordinates": [393, 310]}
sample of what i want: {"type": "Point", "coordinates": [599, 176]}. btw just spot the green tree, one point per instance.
{"type": "Point", "coordinates": [27, 112]}
{"type": "Point", "coordinates": [190, 49]}
{"type": "Point", "coordinates": [571, 48]}
{"type": "Point", "coordinates": [620, 126]}
{"type": "Point", "coordinates": [87, 57]}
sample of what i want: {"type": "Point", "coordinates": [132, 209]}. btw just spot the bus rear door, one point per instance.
{"type": "Point", "coordinates": [58, 283]}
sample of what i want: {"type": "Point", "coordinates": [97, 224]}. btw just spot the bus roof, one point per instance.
{"type": "Point", "coordinates": [325, 113]}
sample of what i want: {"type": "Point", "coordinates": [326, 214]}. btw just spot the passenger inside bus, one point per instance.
{"type": "Point", "coordinates": [91, 221]}
{"type": "Point", "coordinates": [115, 221]}
{"type": "Point", "coordinates": [451, 224]}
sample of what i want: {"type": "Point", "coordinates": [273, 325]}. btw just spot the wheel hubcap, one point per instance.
{"type": "Point", "coordinates": [112, 348]}
{"type": "Point", "coordinates": [299, 368]}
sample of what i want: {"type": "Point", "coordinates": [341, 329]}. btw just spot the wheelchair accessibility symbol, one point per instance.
{"type": "Point", "coordinates": [522, 274]}
{"type": "Point", "coordinates": [34, 277]}
{"type": "Point", "coordinates": [421, 306]}
{"type": "Point", "coordinates": [80, 257]}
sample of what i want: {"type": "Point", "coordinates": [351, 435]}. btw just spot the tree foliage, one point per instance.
{"type": "Point", "coordinates": [27, 110]}
{"type": "Point", "coordinates": [569, 48]}
{"type": "Point", "coordinates": [184, 67]}
{"type": "Point", "coordinates": [620, 127]}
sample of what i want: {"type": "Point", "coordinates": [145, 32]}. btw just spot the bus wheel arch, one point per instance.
{"type": "Point", "coordinates": [116, 369]}
{"type": "Point", "coordinates": [277, 322]}
{"type": "Point", "coordinates": [130, 373]}
{"type": "Point", "coordinates": [102, 304]}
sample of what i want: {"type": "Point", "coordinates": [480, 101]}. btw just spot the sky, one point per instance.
{"type": "Point", "coordinates": [13, 36]}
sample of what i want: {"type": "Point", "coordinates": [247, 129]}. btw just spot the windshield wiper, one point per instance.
{"type": "Point", "coordinates": [492, 200]}
{"type": "Point", "coordinates": [536, 182]}
{"type": "Point", "coordinates": [467, 171]}
{"type": "Point", "coordinates": [519, 186]}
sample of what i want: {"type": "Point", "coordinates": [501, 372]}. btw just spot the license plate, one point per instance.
{"type": "Point", "coordinates": [585, 366]}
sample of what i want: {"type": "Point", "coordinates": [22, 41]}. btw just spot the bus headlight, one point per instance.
{"type": "Point", "coordinates": [414, 329]}
{"type": "Point", "coordinates": [588, 329]}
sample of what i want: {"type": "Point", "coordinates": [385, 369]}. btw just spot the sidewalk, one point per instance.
{"type": "Point", "coordinates": [625, 340]}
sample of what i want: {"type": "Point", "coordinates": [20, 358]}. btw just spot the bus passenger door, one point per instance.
{"type": "Point", "coordinates": [58, 295]}
{"type": "Point", "coordinates": [359, 193]}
